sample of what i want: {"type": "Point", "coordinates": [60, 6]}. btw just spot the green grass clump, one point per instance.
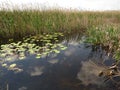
{"type": "Point", "coordinates": [106, 36]}
{"type": "Point", "coordinates": [17, 24]}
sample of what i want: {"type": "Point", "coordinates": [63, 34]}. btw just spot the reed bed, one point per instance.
{"type": "Point", "coordinates": [16, 24]}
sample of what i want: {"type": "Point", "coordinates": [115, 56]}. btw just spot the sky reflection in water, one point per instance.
{"type": "Point", "coordinates": [68, 70]}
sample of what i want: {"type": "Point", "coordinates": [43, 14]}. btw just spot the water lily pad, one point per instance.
{"type": "Point", "coordinates": [45, 53]}
{"type": "Point", "coordinates": [12, 65]}
{"type": "Point", "coordinates": [9, 59]}
{"type": "Point", "coordinates": [22, 57]}
{"type": "Point", "coordinates": [3, 55]}
{"type": "Point", "coordinates": [37, 45]}
{"type": "Point", "coordinates": [38, 56]}
{"type": "Point", "coordinates": [31, 51]}
{"type": "Point", "coordinates": [4, 65]}
{"type": "Point", "coordinates": [56, 51]}
{"type": "Point", "coordinates": [63, 48]}
{"type": "Point", "coordinates": [54, 46]}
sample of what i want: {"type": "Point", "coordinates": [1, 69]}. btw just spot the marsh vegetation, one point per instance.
{"type": "Point", "coordinates": [42, 34]}
{"type": "Point", "coordinates": [17, 24]}
{"type": "Point", "coordinates": [41, 45]}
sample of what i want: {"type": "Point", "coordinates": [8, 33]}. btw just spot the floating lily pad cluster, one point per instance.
{"type": "Point", "coordinates": [39, 46]}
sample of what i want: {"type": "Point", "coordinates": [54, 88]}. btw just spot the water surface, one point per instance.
{"type": "Point", "coordinates": [71, 69]}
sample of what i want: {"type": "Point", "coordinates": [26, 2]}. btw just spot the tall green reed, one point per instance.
{"type": "Point", "coordinates": [17, 24]}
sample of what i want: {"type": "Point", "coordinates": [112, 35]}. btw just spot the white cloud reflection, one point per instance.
{"type": "Point", "coordinates": [36, 71]}
{"type": "Point", "coordinates": [89, 73]}
{"type": "Point", "coordinates": [53, 61]}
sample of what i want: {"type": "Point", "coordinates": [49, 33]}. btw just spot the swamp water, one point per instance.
{"type": "Point", "coordinates": [71, 69]}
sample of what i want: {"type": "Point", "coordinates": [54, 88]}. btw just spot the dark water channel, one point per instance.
{"type": "Point", "coordinates": [68, 70]}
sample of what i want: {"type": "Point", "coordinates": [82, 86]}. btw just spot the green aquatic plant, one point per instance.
{"type": "Point", "coordinates": [56, 51]}
{"type": "Point", "coordinates": [16, 24]}
{"type": "Point", "coordinates": [38, 56]}
{"type": "Point", "coordinates": [108, 37]}
{"type": "Point", "coordinates": [4, 65]}
{"type": "Point", "coordinates": [12, 65]}
{"type": "Point", "coordinates": [63, 48]}
{"type": "Point", "coordinates": [40, 46]}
